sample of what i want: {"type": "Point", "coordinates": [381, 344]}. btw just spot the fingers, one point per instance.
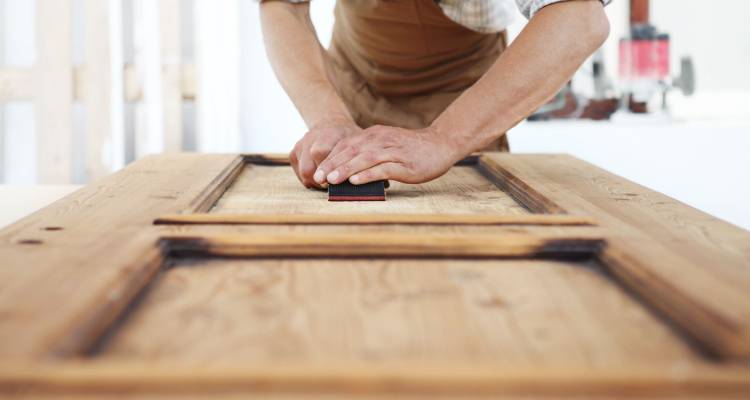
{"type": "Point", "coordinates": [316, 146]}
{"type": "Point", "coordinates": [383, 171]}
{"type": "Point", "coordinates": [360, 162]}
{"type": "Point", "coordinates": [334, 160]}
{"type": "Point", "coordinates": [344, 151]}
{"type": "Point", "coordinates": [306, 168]}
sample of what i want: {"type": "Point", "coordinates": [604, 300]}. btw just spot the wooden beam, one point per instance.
{"type": "Point", "coordinates": [217, 54]}
{"type": "Point", "coordinates": [465, 245]}
{"type": "Point", "coordinates": [2, 80]}
{"type": "Point", "coordinates": [109, 380]}
{"type": "Point", "coordinates": [104, 116]}
{"type": "Point", "coordinates": [149, 124]}
{"type": "Point", "coordinates": [16, 84]}
{"type": "Point", "coordinates": [53, 89]}
{"type": "Point", "coordinates": [171, 72]}
{"type": "Point", "coordinates": [639, 12]}
{"type": "Point", "coordinates": [374, 219]}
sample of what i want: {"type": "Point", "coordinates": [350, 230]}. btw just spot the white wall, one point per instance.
{"type": "Point", "coordinates": [269, 121]}
{"type": "Point", "coordinates": [713, 33]}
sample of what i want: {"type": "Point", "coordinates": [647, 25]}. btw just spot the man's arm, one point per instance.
{"type": "Point", "coordinates": [531, 70]}
{"type": "Point", "coordinates": [301, 65]}
{"type": "Point", "coordinates": [535, 67]}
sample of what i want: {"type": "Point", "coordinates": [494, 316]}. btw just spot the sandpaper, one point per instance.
{"type": "Point", "coordinates": [373, 191]}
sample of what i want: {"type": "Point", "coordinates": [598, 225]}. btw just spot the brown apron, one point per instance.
{"type": "Point", "coordinates": [402, 62]}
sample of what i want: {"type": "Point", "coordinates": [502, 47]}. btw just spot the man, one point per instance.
{"type": "Point", "coordinates": [409, 87]}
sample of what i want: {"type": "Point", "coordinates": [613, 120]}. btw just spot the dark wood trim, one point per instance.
{"type": "Point", "coordinates": [517, 188]}
{"type": "Point", "coordinates": [505, 245]}
{"type": "Point", "coordinates": [266, 159]}
{"type": "Point", "coordinates": [373, 219]}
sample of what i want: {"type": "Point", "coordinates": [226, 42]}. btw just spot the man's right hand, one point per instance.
{"type": "Point", "coordinates": [302, 66]}
{"type": "Point", "coordinates": [314, 147]}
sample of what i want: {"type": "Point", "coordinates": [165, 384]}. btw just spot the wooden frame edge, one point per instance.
{"type": "Point", "coordinates": [715, 335]}
{"type": "Point", "coordinates": [520, 191]}
{"type": "Point", "coordinates": [208, 197]}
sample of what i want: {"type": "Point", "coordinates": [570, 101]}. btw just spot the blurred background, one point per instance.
{"type": "Point", "coordinates": [87, 86]}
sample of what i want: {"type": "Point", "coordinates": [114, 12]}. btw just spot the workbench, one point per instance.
{"type": "Point", "coordinates": [510, 276]}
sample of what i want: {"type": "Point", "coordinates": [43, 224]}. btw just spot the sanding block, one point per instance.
{"type": "Point", "coordinates": [373, 191]}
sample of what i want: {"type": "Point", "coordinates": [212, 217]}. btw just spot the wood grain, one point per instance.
{"type": "Point", "coordinates": [689, 265]}
{"type": "Point", "coordinates": [59, 263]}
{"type": "Point", "coordinates": [504, 313]}
{"type": "Point", "coordinates": [171, 74]}
{"type": "Point", "coordinates": [17, 83]}
{"type": "Point", "coordinates": [261, 189]}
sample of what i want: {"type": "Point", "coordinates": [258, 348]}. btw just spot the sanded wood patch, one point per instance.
{"type": "Point", "coordinates": [264, 189]}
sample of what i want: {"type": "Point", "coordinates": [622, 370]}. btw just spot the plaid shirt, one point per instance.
{"type": "Point", "coordinates": [487, 15]}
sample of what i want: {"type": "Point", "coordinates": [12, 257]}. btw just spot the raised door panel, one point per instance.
{"type": "Point", "coordinates": [440, 312]}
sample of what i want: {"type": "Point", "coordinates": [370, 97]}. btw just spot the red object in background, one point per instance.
{"type": "Point", "coordinates": [644, 58]}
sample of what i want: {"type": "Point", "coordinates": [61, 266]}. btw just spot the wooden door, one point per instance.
{"type": "Point", "coordinates": [517, 276]}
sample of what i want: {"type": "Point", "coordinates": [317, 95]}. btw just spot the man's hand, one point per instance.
{"type": "Point", "coordinates": [384, 152]}
{"type": "Point", "coordinates": [315, 146]}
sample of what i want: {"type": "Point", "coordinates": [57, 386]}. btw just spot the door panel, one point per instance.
{"type": "Point", "coordinates": [538, 276]}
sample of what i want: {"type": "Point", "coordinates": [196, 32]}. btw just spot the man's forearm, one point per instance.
{"type": "Point", "coordinates": [299, 61]}
{"type": "Point", "coordinates": [538, 63]}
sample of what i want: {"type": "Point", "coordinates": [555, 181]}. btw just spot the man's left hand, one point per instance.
{"type": "Point", "coordinates": [385, 152]}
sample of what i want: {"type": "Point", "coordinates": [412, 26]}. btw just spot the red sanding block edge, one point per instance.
{"type": "Point", "coordinates": [356, 198]}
